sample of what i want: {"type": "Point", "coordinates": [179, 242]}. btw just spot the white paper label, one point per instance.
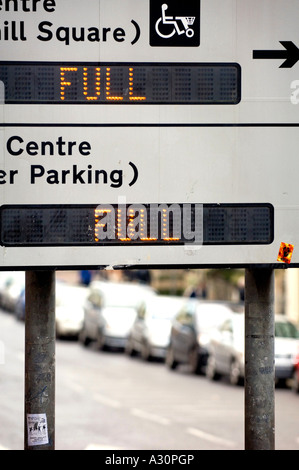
{"type": "Point", "coordinates": [37, 429]}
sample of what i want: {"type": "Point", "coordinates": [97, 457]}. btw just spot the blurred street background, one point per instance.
{"type": "Point", "coordinates": [135, 390]}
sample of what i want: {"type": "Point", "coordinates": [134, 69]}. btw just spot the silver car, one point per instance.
{"type": "Point", "coordinates": [286, 348]}
{"type": "Point", "coordinates": [70, 301]}
{"type": "Point", "coordinates": [226, 349]}
{"type": "Point", "coordinates": [150, 332]}
{"type": "Point", "coordinates": [191, 330]}
{"type": "Point", "coordinates": [110, 311]}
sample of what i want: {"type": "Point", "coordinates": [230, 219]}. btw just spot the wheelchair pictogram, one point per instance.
{"type": "Point", "coordinates": [168, 26]}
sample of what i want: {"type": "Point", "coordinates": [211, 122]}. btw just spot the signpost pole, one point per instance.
{"type": "Point", "coordinates": [259, 359]}
{"type": "Point", "coordinates": [40, 361]}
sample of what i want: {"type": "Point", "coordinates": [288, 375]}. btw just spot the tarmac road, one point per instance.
{"type": "Point", "coordinates": [106, 400]}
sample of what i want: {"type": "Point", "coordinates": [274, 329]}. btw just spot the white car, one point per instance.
{"type": "Point", "coordinates": [286, 348]}
{"type": "Point", "coordinates": [110, 311]}
{"type": "Point", "coordinates": [11, 286]}
{"type": "Point", "coordinates": [150, 333]}
{"type": "Point", "coordinates": [70, 301]}
{"type": "Point", "coordinates": [226, 349]}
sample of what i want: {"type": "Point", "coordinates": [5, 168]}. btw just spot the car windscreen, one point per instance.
{"type": "Point", "coordinates": [123, 297]}
{"type": "Point", "coordinates": [285, 329]}
{"type": "Point", "coordinates": [209, 316]}
{"type": "Point", "coordinates": [163, 309]}
{"type": "Point", "coordinates": [70, 296]}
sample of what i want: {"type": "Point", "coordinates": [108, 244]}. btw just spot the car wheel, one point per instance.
{"type": "Point", "coordinates": [100, 342]}
{"type": "Point", "coordinates": [57, 333]}
{"type": "Point", "coordinates": [194, 361]}
{"type": "Point", "coordinates": [169, 360]}
{"type": "Point", "coordinates": [295, 382]}
{"type": "Point", "coordinates": [83, 338]}
{"type": "Point", "coordinates": [211, 371]}
{"type": "Point", "coordinates": [129, 350]}
{"type": "Point", "coordinates": [145, 352]}
{"type": "Point", "coordinates": [235, 377]}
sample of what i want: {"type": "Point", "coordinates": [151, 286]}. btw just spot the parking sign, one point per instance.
{"type": "Point", "coordinates": [148, 134]}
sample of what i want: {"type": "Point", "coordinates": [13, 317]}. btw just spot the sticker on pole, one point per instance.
{"type": "Point", "coordinates": [285, 252]}
{"type": "Point", "coordinates": [37, 429]}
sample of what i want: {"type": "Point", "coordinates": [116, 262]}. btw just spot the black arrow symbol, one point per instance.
{"type": "Point", "coordinates": [290, 53]}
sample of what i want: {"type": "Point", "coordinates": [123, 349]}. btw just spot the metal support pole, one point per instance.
{"type": "Point", "coordinates": [40, 361]}
{"type": "Point", "coordinates": [259, 359]}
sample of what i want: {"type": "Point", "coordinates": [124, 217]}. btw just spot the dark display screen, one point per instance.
{"type": "Point", "coordinates": [136, 224]}
{"type": "Point", "coordinates": [121, 83]}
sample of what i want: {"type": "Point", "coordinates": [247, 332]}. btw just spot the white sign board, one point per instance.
{"type": "Point", "coordinates": [149, 133]}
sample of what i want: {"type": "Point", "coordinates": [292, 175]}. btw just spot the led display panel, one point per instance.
{"type": "Point", "coordinates": [103, 83]}
{"type": "Point", "coordinates": [135, 224]}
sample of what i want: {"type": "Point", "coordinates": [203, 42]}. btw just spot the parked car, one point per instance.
{"type": "Point", "coordinates": [150, 332]}
{"type": "Point", "coordinates": [110, 311]}
{"type": "Point", "coordinates": [190, 332]}
{"type": "Point", "coordinates": [11, 286]}
{"type": "Point", "coordinates": [70, 300]}
{"type": "Point", "coordinates": [20, 306]}
{"type": "Point", "coordinates": [226, 352]}
{"type": "Point", "coordinates": [295, 378]}
{"type": "Point", "coordinates": [286, 348]}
